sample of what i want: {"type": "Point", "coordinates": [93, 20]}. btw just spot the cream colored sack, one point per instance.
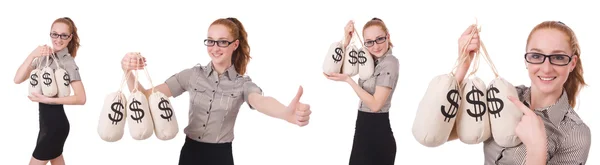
{"type": "Point", "coordinates": [35, 84]}
{"type": "Point", "coordinates": [504, 115]}
{"type": "Point", "coordinates": [139, 119]}
{"type": "Point", "coordinates": [366, 65]}
{"type": "Point", "coordinates": [350, 66]}
{"type": "Point", "coordinates": [472, 123]}
{"type": "Point", "coordinates": [163, 115]}
{"type": "Point", "coordinates": [49, 87]}
{"type": "Point", "coordinates": [63, 80]}
{"type": "Point", "coordinates": [111, 125]}
{"type": "Point", "coordinates": [437, 110]}
{"type": "Point", "coordinates": [334, 58]}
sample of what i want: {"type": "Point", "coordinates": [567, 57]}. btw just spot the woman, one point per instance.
{"type": "Point", "coordinates": [374, 142]}
{"type": "Point", "coordinates": [552, 133]}
{"type": "Point", "coordinates": [217, 91]}
{"type": "Point", "coordinates": [54, 125]}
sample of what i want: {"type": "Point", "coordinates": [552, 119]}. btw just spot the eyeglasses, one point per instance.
{"type": "Point", "coordinates": [220, 43]}
{"type": "Point", "coordinates": [62, 36]}
{"type": "Point", "coordinates": [378, 40]}
{"type": "Point", "coordinates": [555, 59]}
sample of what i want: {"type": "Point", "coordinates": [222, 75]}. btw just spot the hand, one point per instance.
{"type": "Point", "coordinates": [531, 128]}
{"type": "Point", "coordinates": [132, 61]}
{"type": "Point", "coordinates": [348, 32]}
{"type": "Point", "coordinates": [36, 97]}
{"type": "Point", "coordinates": [337, 76]}
{"type": "Point", "coordinates": [300, 111]}
{"type": "Point", "coordinates": [473, 47]}
{"type": "Point", "coordinates": [43, 50]}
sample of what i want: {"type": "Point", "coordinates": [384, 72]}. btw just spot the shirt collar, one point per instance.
{"type": "Point", "coordinates": [230, 72]}
{"type": "Point", "coordinates": [555, 112]}
{"type": "Point", "coordinates": [62, 53]}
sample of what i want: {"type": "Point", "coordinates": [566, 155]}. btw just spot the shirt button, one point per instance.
{"type": "Point", "coordinates": [204, 125]}
{"type": "Point", "coordinates": [216, 81]}
{"type": "Point", "coordinates": [199, 137]}
{"type": "Point", "coordinates": [213, 91]}
{"type": "Point", "coordinates": [207, 112]}
{"type": "Point", "coordinates": [210, 100]}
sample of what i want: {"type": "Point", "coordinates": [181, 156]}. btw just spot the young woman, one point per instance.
{"type": "Point", "coordinates": [54, 125]}
{"type": "Point", "coordinates": [217, 91]}
{"type": "Point", "coordinates": [374, 142]}
{"type": "Point", "coordinates": [552, 133]}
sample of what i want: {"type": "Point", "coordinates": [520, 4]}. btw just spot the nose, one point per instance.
{"type": "Point", "coordinates": [546, 66]}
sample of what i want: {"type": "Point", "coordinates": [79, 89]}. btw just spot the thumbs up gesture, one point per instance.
{"type": "Point", "coordinates": [300, 111]}
{"type": "Point", "coordinates": [531, 128]}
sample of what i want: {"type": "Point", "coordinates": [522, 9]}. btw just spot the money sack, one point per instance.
{"type": "Point", "coordinates": [49, 87]}
{"type": "Point", "coordinates": [63, 81]}
{"type": "Point", "coordinates": [473, 123]}
{"type": "Point", "coordinates": [35, 82]}
{"type": "Point", "coordinates": [350, 66]}
{"type": "Point", "coordinates": [165, 122]}
{"type": "Point", "coordinates": [437, 111]}
{"type": "Point", "coordinates": [111, 125]}
{"type": "Point", "coordinates": [366, 65]}
{"type": "Point", "coordinates": [139, 118]}
{"type": "Point", "coordinates": [504, 116]}
{"type": "Point", "coordinates": [334, 58]}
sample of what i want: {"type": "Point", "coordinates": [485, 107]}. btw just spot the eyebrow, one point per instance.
{"type": "Point", "coordinates": [222, 38]}
{"type": "Point", "coordinates": [376, 37]}
{"type": "Point", "coordinates": [553, 52]}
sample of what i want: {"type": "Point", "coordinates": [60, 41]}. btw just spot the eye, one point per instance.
{"type": "Point", "coordinates": [222, 42]}
{"type": "Point", "coordinates": [380, 39]}
{"type": "Point", "coordinates": [535, 56]}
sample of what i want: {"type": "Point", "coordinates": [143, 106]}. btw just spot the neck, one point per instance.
{"type": "Point", "coordinates": [541, 100]}
{"type": "Point", "coordinates": [221, 67]}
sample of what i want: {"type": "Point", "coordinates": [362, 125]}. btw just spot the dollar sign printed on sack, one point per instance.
{"type": "Point", "coordinates": [138, 114]}
{"type": "Point", "coordinates": [453, 97]}
{"type": "Point", "coordinates": [116, 107]}
{"type": "Point", "coordinates": [478, 105]}
{"type": "Point", "coordinates": [495, 104]}
{"type": "Point", "coordinates": [163, 105]}
{"type": "Point", "coordinates": [46, 77]}
{"type": "Point", "coordinates": [33, 81]}
{"type": "Point", "coordinates": [361, 57]}
{"type": "Point", "coordinates": [337, 57]}
{"type": "Point", "coordinates": [353, 58]}
{"type": "Point", "coordinates": [67, 79]}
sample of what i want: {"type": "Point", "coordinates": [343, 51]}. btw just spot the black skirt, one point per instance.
{"type": "Point", "coordinates": [374, 142]}
{"type": "Point", "coordinates": [199, 153]}
{"type": "Point", "coordinates": [54, 130]}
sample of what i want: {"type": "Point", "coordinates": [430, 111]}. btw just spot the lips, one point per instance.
{"type": "Point", "coordinates": [216, 55]}
{"type": "Point", "coordinates": [547, 78]}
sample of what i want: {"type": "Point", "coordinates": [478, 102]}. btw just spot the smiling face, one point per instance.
{"type": "Point", "coordinates": [220, 44]}
{"type": "Point", "coordinates": [546, 77]}
{"type": "Point", "coordinates": [61, 35]}
{"type": "Point", "coordinates": [376, 40]}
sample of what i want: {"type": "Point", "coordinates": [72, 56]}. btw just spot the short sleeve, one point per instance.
{"type": "Point", "coordinates": [387, 72]}
{"type": "Point", "coordinates": [180, 82]}
{"type": "Point", "coordinates": [249, 88]}
{"type": "Point", "coordinates": [71, 67]}
{"type": "Point", "coordinates": [575, 149]}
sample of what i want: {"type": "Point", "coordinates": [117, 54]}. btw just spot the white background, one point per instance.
{"type": "Point", "coordinates": [288, 43]}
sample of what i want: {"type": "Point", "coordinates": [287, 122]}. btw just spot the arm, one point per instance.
{"type": "Point", "coordinates": [375, 101]}
{"type": "Point", "coordinates": [575, 149]}
{"type": "Point", "coordinates": [163, 87]}
{"type": "Point", "coordinates": [78, 97]}
{"type": "Point", "coordinates": [25, 68]}
{"type": "Point", "coordinates": [269, 106]}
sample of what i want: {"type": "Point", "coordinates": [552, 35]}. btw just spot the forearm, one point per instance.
{"type": "Point", "coordinates": [271, 107]}
{"type": "Point", "coordinates": [69, 100]}
{"type": "Point", "coordinates": [23, 70]}
{"type": "Point", "coordinates": [364, 96]}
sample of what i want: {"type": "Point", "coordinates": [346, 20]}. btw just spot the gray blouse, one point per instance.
{"type": "Point", "coordinates": [386, 75]}
{"type": "Point", "coordinates": [568, 136]}
{"type": "Point", "coordinates": [214, 101]}
{"type": "Point", "coordinates": [65, 61]}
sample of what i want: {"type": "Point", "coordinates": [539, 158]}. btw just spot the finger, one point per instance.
{"type": "Point", "coordinates": [521, 106]}
{"type": "Point", "coordinates": [469, 30]}
{"type": "Point", "coordinates": [298, 95]}
{"type": "Point", "coordinates": [303, 123]}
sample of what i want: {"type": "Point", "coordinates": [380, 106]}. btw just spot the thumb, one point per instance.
{"type": "Point", "coordinates": [521, 106]}
{"type": "Point", "coordinates": [298, 95]}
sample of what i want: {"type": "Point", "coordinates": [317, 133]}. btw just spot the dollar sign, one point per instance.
{"type": "Point", "coordinates": [33, 81]}
{"type": "Point", "coordinates": [453, 97]}
{"type": "Point", "coordinates": [361, 57]}
{"type": "Point", "coordinates": [337, 57]}
{"type": "Point", "coordinates": [479, 106]}
{"type": "Point", "coordinates": [138, 113]}
{"type": "Point", "coordinates": [164, 106]}
{"type": "Point", "coordinates": [353, 59]}
{"type": "Point", "coordinates": [46, 77]}
{"type": "Point", "coordinates": [118, 116]}
{"type": "Point", "coordinates": [67, 79]}
{"type": "Point", "coordinates": [496, 104]}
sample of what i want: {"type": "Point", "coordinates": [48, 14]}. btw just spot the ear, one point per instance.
{"type": "Point", "coordinates": [236, 44]}
{"type": "Point", "coordinates": [573, 63]}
